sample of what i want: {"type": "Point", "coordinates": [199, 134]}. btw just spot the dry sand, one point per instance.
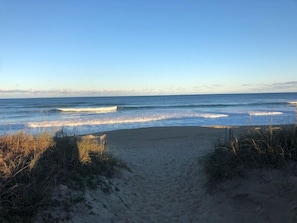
{"type": "Point", "coordinates": [167, 183]}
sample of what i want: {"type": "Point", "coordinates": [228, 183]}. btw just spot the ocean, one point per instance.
{"type": "Point", "coordinates": [82, 115]}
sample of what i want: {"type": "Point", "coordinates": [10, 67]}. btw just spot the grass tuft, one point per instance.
{"type": "Point", "coordinates": [264, 147]}
{"type": "Point", "coordinates": [31, 166]}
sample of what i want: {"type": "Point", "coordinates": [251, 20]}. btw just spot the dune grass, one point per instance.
{"type": "Point", "coordinates": [31, 166]}
{"type": "Point", "coordinates": [264, 147]}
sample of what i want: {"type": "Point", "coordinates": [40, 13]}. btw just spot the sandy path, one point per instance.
{"type": "Point", "coordinates": [166, 182]}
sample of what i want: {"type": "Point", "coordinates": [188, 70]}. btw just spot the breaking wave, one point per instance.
{"type": "Point", "coordinates": [120, 120]}
{"type": "Point", "coordinates": [93, 110]}
{"type": "Point", "coordinates": [264, 113]}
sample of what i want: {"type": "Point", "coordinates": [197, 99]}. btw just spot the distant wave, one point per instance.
{"type": "Point", "coordinates": [123, 120]}
{"type": "Point", "coordinates": [94, 110]}
{"type": "Point", "coordinates": [264, 113]}
{"type": "Point", "coordinates": [293, 102]}
{"type": "Point", "coordinates": [202, 105]}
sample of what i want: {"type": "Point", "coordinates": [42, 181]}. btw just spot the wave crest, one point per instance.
{"type": "Point", "coordinates": [264, 113]}
{"type": "Point", "coordinates": [93, 110]}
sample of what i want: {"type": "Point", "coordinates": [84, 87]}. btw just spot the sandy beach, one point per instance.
{"type": "Point", "coordinates": [167, 183]}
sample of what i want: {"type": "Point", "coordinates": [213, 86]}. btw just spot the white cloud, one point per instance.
{"type": "Point", "coordinates": [20, 93]}
{"type": "Point", "coordinates": [289, 86]}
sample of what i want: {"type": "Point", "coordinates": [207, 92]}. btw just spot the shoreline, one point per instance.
{"type": "Point", "coordinates": [243, 127]}
{"type": "Point", "coordinates": [221, 132]}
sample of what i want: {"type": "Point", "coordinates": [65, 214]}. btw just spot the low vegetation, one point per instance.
{"type": "Point", "coordinates": [264, 147]}
{"type": "Point", "coordinates": [31, 166]}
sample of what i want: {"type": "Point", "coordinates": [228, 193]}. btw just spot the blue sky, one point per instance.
{"type": "Point", "coordinates": [136, 47]}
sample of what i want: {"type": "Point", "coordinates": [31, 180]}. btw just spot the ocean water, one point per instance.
{"type": "Point", "coordinates": [82, 115]}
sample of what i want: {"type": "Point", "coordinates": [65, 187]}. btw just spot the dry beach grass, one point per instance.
{"type": "Point", "coordinates": [32, 166]}
{"type": "Point", "coordinates": [175, 174]}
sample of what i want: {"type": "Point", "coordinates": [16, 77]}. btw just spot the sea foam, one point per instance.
{"type": "Point", "coordinates": [120, 120]}
{"type": "Point", "coordinates": [93, 110]}
{"type": "Point", "coordinates": [264, 113]}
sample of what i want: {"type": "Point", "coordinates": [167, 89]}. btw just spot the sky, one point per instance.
{"type": "Point", "coordinates": [63, 48]}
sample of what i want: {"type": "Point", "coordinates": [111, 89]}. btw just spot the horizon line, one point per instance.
{"type": "Point", "coordinates": [147, 95]}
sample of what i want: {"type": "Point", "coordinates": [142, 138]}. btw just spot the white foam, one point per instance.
{"type": "Point", "coordinates": [197, 115]}
{"type": "Point", "coordinates": [212, 115]}
{"type": "Point", "coordinates": [293, 102]}
{"type": "Point", "coordinates": [264, 113]}
{"type": "Point", "coordinates": [93, 110]}
{"type": "Point", "coordinates": [119, 120]}
{"type": "Point", "coordinates": [69, 123]}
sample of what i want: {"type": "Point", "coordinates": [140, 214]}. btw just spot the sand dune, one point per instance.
{"type": "Point", "coordinates": [167, 183]}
